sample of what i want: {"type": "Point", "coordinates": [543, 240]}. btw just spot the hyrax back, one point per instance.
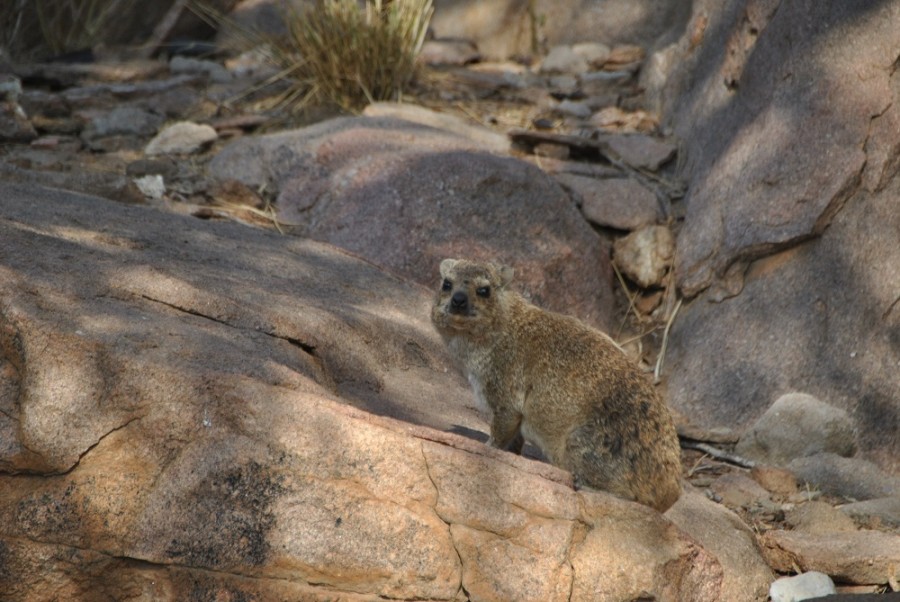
{"type": "Point", "coordinates": [563, 385]}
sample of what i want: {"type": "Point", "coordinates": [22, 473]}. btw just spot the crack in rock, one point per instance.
{"type": "Point", "coordinates": [304, 346]}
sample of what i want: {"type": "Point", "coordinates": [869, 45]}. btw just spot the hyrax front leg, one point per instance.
{"type": "Point", "coordinates": [505, 433]}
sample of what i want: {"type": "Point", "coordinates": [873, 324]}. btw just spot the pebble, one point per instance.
{"type": "Point", "coordinates": [737, 490]}
{"type": "Point", "coordinates": [562, 59]}
{"type": "Point", "coordinates": [152, 187]}
{"type": "Point", "coordinates": [213, 70]}
{"type": "Point", "coordinates": [801, 587]}
{"type": "Point", "coordinates": [645, 255]}
{"type": "Point", "coordinates": [10, 88]}
{"type": "Point", "coordinates": [774, 479]}
{"type": "Point", "coordinates": [121, 121]}
{"type": "Point", "coordinates": [574, 108]}
{"type": "Point", "coordinates": [14, 123]}
{"type": "Point", "coordinates": [448, 52]}
{"type": "Point", "coordinates": [641, 151]}
{"type": "Point", "coordinates": [182, 138]}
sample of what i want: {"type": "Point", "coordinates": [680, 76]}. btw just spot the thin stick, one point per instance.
{"type": "Point", "coordinates": [717, 453]}
{"type": "Point", "coordinates": [665, 343]}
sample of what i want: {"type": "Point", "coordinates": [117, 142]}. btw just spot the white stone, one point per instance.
{"type": "Point", "coordinates": [152, 186]}
{"type": "Point", "coordinates": [801, 587]}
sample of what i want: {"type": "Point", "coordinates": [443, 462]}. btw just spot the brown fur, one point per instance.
{"type": "Point", "coordinates": [564, 386]}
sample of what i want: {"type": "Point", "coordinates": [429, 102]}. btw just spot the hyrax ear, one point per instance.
{"type": "Point", "coordinates": [447, 265]}
{"type": "Point", "coordinates": [506, 274]}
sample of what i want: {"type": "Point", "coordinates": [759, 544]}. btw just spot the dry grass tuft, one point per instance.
{"type": "Point", "coordinates": [353, 53]}
{"type": "Point", "coordinates": [346, 52]}
{"type": "Point", "coordinates": [54, 27]}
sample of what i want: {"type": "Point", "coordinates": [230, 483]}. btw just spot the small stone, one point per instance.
{"type": "Point", "coordinates": [14, 124]}
{"type": "Point", "coordinates": [595, 53]}
{"type": "Point", "coordinates": [818, 518]}
{"type": "Point", "coordinates": [448, 52]}
{"type": "Point", "coordinates": [216, 72]}
{"type": "Point", "coordinates": [10, 88]}
{"type": "Point", "coordinates": [645, 255]}
{"type": "Point", "coordinates": [617, 120]}
{"type": "Point", "coordinates": [646, 303]}
{"type": "Point", "coordinates": [121, 121]}
{"type": "Point", "coordinates": [574, 108]}
{"type": "Point", "coordinates": [564, 86]}
{"type": "Point", "coordinates": [562, 59]}
{"type": "Point", "coordinates": [774, 479]}
{"type": "Point", "coordinates": [642, 151]}
{"type": "Point", "coordinates": [801, 587]}
{"type": "Point", "coordinates": [852, 478]}
{"type": "Point", "coordinates": [181, 138]}
{"type": "Point", "coordinates": [550, 150]}
{"type": "Point", "coordinates": [625, 54]}
{"type": "Point", "coordinates": [795, 426]}
{"type": "Point", "coordinates": [233, 192]}
{"type": "Point", "coordinates": [542, 123]}
{"type": "Point", "coordinates": [163, 166]}
{"type": "Point", "coordinates": [619, 203]}
{"type": "Point", "coordinates": [737, 490]}
{"type": "Point", "coordinates": [152, 187]}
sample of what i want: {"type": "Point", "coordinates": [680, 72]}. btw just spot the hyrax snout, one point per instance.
{"type": "Point", "coordinates": [559, 383]}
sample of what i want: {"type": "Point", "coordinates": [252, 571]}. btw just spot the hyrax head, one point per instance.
{"type": "Point", "coordinates": [469, 299]}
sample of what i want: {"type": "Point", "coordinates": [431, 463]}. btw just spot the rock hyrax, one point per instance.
{"type": "Point", "coordinates": [565, 386]}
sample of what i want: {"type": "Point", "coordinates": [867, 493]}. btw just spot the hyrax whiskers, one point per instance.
{"type": "Point", "coordinates": [561, 384]}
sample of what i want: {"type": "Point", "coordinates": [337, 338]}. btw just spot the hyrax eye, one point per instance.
{"type": "Point", "coordinates": [484, 291]}
{"type": "Point", "coordinates": [447, 285]}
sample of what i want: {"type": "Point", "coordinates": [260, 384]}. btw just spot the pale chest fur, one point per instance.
{"type": "Point", "coordinates": [477, 363]}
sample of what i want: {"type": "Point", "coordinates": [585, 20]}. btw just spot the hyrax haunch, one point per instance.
{"type": "Point", "coordinates": [562, 385]}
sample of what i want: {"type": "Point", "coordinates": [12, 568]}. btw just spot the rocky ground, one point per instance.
{"type": "Point", "coordinates": [548, 165]}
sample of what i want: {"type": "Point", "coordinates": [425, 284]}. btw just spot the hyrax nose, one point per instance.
{"type": "Point", "coordinates": [459, 301]}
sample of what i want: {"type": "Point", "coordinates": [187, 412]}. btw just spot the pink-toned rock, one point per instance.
{"type": "Point", "coordinates": [746, 576]}
{"type": "Point", "coordinates": [607, 569]}
{"type": "Point", "coordinates": [176, 421]}
{"type": "Point", "coordinates": [406, 195]}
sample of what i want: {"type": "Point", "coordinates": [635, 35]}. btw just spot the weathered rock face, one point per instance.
{"type": "Point", "coordinates": [406, 195]}
{"type": "Point", "coordinates": [790, 145]}
{"type": "Point", "coordinates": [176, 396]}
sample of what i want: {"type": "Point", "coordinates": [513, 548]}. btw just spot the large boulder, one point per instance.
{"type": "Point", "coordinates": [177, 423]}
{"type": "Point", "coordinates": [789, 115]}
{"type": "Point", "coordinates": [406, 194]}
